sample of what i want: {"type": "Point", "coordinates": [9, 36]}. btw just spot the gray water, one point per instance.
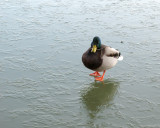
{"type": "Point", "coordinates": [43, 83]}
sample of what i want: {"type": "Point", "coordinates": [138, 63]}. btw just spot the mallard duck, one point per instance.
{"type": "Point", "coordinates": [100, 58]}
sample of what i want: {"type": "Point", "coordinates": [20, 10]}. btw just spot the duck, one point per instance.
{"type": "Point", "coordinates": [100, 58]}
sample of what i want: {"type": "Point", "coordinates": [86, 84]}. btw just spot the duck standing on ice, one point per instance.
{"type": "Point", "coordinates": [100, 58]}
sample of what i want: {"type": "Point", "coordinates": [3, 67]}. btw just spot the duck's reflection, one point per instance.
{"type": "Point", "coordinates": [99, 94]}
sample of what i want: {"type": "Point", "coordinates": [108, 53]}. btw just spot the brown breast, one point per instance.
{"type": "Point", "coordinates": [92, 60]}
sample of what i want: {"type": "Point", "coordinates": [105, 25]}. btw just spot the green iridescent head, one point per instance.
{"type": "Point", "coordinates": [96, 44]}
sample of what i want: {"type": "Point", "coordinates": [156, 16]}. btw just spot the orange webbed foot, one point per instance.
{"type": "Point", "coordinates": [99, 78]}
{"type": "Point", "coordinates": [95, 74]}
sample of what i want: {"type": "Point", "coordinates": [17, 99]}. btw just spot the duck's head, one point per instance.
{"type": "Point", "coordinates": [96, 44]}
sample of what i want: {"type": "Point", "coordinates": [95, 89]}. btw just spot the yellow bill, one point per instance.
{"type": "Point", "coordinates": [94, 48]}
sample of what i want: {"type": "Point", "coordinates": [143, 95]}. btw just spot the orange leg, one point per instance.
{"type": "Point", "coordinates": [95, 74]}
{"type": "Point", "coordinates": [100, 78]}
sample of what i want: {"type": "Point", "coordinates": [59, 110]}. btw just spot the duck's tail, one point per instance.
{"type": "Point", "coordinates": [120, 58]}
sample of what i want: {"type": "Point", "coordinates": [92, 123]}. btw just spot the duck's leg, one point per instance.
{"type": "Point", "coordinates": [100, 78]}
{"type": "Point", "coordinates": [95, 74]}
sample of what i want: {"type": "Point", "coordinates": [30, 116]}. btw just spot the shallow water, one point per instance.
{"type": "Point", "coordinates": [43, 82]}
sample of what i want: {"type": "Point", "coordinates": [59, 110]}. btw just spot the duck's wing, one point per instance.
{"type": "Point", "coordinates": [111, 52]}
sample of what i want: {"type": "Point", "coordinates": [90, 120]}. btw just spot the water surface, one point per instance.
{"type": "Point", "coordinates": [43, 82]}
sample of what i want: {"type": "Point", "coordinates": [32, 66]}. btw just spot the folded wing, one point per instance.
{"type": "Point", "coordinates": [111, 52]}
